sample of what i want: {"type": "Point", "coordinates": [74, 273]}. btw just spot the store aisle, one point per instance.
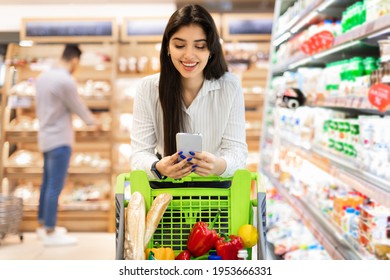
{"type": "Point", "coordinates": [91, 246]}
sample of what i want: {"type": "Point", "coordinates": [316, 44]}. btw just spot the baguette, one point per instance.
{"type": "Point", "coordinates": [136, 226]}
{"type": "Point", "coordinates": [155, 213]}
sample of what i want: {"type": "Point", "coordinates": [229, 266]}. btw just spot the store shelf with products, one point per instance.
{"type": "Point", "coordinates": [341, 131]}
{"type": "Point", "coordinates": [328, 235]}
{"type": "Point", "coordinates": [91, 159]}
{"type": "Point", "coordinates": [354, 41]}
{"type": "Point", "coordinates": [289, 235]}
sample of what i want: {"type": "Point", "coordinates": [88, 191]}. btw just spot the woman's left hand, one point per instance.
{"type": "Point", "coordinates": [206, 163]}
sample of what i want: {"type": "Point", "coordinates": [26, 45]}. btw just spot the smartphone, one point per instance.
{"type": "Point", "coordinates": [187, 142]}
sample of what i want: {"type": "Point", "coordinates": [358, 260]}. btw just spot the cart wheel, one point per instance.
{"type": "Point", "coordinates": [21, 237]}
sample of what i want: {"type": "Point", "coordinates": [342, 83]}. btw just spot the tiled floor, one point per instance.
{"type": "Point", "coordinates": [91, 246]}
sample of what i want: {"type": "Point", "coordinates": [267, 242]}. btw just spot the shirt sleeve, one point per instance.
{"type": "Point", "coordinates": [234, 149]}
{"type": "Point", "coordinates": [75, 104]}
{"type": "Point", "coordinates": [143, 137]}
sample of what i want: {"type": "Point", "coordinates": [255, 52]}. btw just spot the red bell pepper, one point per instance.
{"type": "Point", "coordinates": [202, 238]}
{"type": "Point", "coordinates": [227, 246]}
{"type": "Point", "coordinates": [184, 255]}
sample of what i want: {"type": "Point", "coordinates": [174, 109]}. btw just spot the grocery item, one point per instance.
{"type": "Point", "coordinates": [249, 235]}
{"type": "Point", "coordinates": [382, 249]}
{"type": "Point", "coordinates": [136, 227]}
{"type": "Point", "coordinates": [183, 256]}
{"type": "Point", "coordinates": [242, 254]}
{"type": "Point", "coordinates": [155, 213]}
{"type": "Point", "coordinates": [202, 237]}
{"type": "Point", "coordinates": [160, 253]}
{"type": "Point", "coordinates": [228, 246]}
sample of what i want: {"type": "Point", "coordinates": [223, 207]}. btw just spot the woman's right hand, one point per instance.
{"type": "Point", "coordinates": [171, 167]}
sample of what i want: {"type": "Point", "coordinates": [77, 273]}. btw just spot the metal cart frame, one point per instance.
{"type": "Point", "coordinates": [196, 198]}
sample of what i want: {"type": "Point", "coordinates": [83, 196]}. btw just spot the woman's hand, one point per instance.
{"type": "Point", "coordinates": [206, 163]}
{"type": "Point", "coordinates": [169, 166]}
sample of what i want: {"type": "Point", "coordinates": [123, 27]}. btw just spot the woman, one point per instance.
{"type": "Point", "coordinates": [194, 92]}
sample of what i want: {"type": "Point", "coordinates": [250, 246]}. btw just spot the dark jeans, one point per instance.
{"type": "Point", "coordinates": [55, 169]}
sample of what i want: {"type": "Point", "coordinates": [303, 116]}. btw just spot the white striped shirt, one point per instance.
{"type": "Point", "coordinates": [217, 112]}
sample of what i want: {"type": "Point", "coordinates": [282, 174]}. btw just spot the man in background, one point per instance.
{"type": "Point", "coordinates": [57, 99]}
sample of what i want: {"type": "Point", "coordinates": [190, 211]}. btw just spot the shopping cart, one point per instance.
{"type": "Point", "coordinates": [11, 212]}
{"type": "Point", "coordinates": [195, 198]}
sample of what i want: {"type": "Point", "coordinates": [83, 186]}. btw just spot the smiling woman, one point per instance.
{"type": "Point", "coordinates": [190, 54]}
{"type": "Point", "coordinates": [194, 93]}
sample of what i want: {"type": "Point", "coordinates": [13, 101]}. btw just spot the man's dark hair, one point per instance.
{"type": "Point", "coordinates": [71, 51]}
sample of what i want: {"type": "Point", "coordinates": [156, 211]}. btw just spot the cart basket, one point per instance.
{"type": "Point", "coordinates": [195, 198]}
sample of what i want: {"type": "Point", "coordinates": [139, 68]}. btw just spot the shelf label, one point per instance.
{"type": "Point", "coordinates": [379, 96]}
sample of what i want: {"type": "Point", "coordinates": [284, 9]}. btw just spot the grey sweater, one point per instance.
{"type": "Point", "coordinates": [56, 99]}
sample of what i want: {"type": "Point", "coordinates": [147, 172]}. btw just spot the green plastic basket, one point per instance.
{"type": "Point", "coordinates": [195, 198]}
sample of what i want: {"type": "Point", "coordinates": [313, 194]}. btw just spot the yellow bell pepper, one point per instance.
{"type": "Point", "coordinates": [161, 253]}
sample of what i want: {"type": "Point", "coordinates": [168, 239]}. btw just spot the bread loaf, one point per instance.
{"type": "Point", "coordinates": [155, 213]}
{"type": "Point", "coordinates": [136, 226]}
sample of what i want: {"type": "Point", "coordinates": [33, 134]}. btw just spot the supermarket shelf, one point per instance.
{"type": "Point", "coordinates": [371, 185]}
{"type": "Point", "coordinates": [31, 136]}
{"type": "Point", "coordinates": [270, 252]}
{"type": "Point", "coordinates": [369, 29]}
{"type": "Point", "coordinates": [99, 205]}
{"type": "Point", "coordinates": [354, 110]}
{"type": "Point", "coordinates": [92, 103]}
{"type": "Point", "coordinates": [298, 19]}
{"type": "Point", "coordinates": [316, 9]}
{"type": "Point", "coordinates": [349, 40]}
{"type": "Point", "coordinates": [74, 220]}
{"type": "Point", "coordinates": [336, 246]}
{"type": "Point", "coordinates": [374, 187]}
{"type": "Point", "coordinates": [74, 172]}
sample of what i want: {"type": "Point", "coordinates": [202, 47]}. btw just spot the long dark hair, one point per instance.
{"type": "Point", "coordinates": [170, 79]}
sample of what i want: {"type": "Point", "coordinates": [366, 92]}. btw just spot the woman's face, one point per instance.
{"type": "Point", "coordinates": [188, 51]}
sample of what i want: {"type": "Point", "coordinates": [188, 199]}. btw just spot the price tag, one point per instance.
{"type": "Point", "coordinates": [19, 102]}
{"type": "Point", "coordinates": [379, 96]}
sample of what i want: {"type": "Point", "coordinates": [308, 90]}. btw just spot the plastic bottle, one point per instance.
{"type": "Point", "coordinates": [354, 224]}
{"type": "Point", "coordinates": [346, 219]}
{"type": "Point", "coordinates": [242, 254]}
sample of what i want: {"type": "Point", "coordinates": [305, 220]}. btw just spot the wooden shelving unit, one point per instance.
{"type": "Point", "coordinates": [92, 148]}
